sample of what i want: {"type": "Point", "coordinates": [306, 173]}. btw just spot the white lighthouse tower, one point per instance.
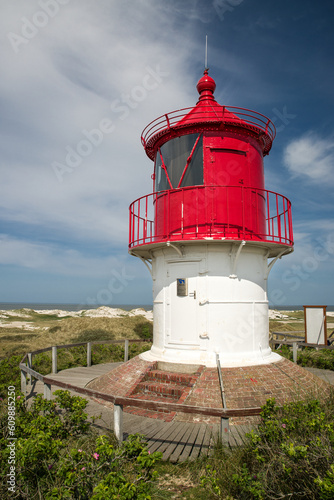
{"type": "Point", "coordinates": [210, 233]}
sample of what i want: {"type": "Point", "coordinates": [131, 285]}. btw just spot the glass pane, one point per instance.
{"type": "Point", "coordinates": [175, 154]}
{"type": "Point", "coordinates": [161, 182]}
{"type": "Point", "coordinates": [194, 173]}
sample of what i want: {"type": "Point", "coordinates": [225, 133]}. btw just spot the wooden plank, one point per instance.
{"type": "Point", "coordinates": [161, 440]}
{"type": "Point", "coordinates": [175, 438]}
{"type": "Point", "coordinates": [237, 436]}
{"type": "Point", "coordinates": [215, 436]}
{"type": "Point", "coordinates": [139, 425]}
{"type": "Point", "coordinates": [190, 444]}
{"type": "Point", "coordinates": [198, 443]}
{"type": "Point", "coordinates": [32, 372]}
{"type": "Point", "coordinates": [240, 433]}
{"type": "Point", "coordinates": [174, 457]}
{"type": "Point", "coordinates": [202, 410]}
{"type": "Point", "coordinates": [234, 438]}
{"type": "Point", "coordinates": [207, 441]}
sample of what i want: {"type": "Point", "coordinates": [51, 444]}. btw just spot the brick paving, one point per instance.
{"type": "Point", "coordinates": [245, 387]}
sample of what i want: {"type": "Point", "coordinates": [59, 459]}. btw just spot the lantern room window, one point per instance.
{"type": "Point", "coordinates": [179, 163]}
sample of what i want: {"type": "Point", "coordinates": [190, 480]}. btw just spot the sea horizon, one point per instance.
{"type": "Point", "coordinates": [8, 306]}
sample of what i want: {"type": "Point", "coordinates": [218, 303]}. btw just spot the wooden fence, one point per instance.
{"type": "Point", "coordinates": [118, 401]}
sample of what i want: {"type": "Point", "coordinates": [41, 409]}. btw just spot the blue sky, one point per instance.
{"type": "Point", "coordinates": [78, 69]}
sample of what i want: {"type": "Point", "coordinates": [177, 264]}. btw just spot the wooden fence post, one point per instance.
{"type": "Point", "coordinates": [29, 363]}
{"type": "Point", "coordinates": [295, 349]}
{"type": "Point", "coordinates": [126, 350]}
{"type": "Point", "coordinates": [118, 422]}
{"type": "Point", "coordinates": [24, 383]}
{"type": "Point", "coordinates": [54, 359]}
{"type": "Point", "coordinates": [47, 391]}
{"type": "Point", "coordinates": [89, 354]}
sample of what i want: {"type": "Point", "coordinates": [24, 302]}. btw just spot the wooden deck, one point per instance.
{"type": "Point", "coordinates": [177, 441]}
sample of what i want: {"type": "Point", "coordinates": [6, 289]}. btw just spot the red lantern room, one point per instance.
{"type": "Point", "coordinates": [208, 177]}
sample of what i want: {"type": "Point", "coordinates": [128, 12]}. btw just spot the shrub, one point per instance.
{"type": "Point", "coordinates": [9, 374]}
{"type": "Point", "coordinates": [309, 357]}
{"type": "Point", "coordinates": [59, 456]}
{"type": "Point", "coordinates": [289, 455]}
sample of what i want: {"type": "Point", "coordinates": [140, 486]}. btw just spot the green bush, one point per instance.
{"type": "Point", "coordinates": [324, 358]}
{"type": "Point", "coordinates": [310, 357]}
{"type": "Point", "coordinates": [290, 455]}
{"type": "Point", "coordinates": [59, 456]}
{"type": "Point", "coordinates": [9, 374]}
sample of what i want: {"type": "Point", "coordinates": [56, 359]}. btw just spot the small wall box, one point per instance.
{"type": "Point", "coordinates": [315, 325]}
{"type": "Point", "coordinates": [182, 287]}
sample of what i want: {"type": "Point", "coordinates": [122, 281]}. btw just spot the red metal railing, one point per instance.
{"type": "Point", "coordinates": [211, 212]}
{"type": "Point", "coordinates": [230, 115]}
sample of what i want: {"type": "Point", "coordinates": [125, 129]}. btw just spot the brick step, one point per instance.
{"type": "Point", "coordinates": [184, 379]}
{"type": "Point", "coordinates": [157, 392]}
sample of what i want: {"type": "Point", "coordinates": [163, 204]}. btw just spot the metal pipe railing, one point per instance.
{"type": "Point", "coordinates": [175, 214]}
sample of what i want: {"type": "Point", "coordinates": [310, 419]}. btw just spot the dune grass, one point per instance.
{"type": "Point", "coordinates": [43, 330]}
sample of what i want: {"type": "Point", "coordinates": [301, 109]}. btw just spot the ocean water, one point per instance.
{"type": "Point", "coordinates": [7, 306]}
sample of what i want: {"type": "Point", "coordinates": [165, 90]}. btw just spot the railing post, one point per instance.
{"type": "Point", "coordinates": [224, 430]}
{"type": "Point", "coordinates": [29, 358]}
{"type": "Point", "coordinates": [126, 350]}
{"type": "Point", "coordinates": [24, 383]}
{"type": "Point", "coordinates": [118, 422]}
{"type": "Point", "coordinates": [295, 349]}
{"type": "Point", "coordinates": [89, 354]}
{"type": "Point", "coordinates": [47, 391]}
{"type": "Point", "coordinates": [54, 359]}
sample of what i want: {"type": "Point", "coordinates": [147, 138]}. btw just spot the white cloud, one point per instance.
{"type": "Point", "coordinates": [312, 157]}
{"type": "Point", "coordinates": [62, 82]}
{"type": "Point", "coordinates": [56, 259]}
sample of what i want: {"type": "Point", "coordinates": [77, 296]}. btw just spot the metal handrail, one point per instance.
{"type": "Point", "coordinates": [276, 225]}
{"type": "Point", "coordinates": [235, 116]}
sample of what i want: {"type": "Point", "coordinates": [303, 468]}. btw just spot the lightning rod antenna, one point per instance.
{"type": "Point", "coordinates": [206, 53]}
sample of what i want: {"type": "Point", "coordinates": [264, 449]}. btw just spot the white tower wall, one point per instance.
{"type": "Point", "coordinates": [224, 311]}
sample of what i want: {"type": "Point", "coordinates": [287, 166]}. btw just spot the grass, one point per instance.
{"type": "Point", "coordinates": [39, 331]}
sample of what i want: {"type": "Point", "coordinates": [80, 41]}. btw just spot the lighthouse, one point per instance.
{"type": "Point", "coordinates": [209, 233]}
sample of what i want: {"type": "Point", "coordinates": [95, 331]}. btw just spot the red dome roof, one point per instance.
{"type": "Point", "coordinates": [207, 114]}
{"type": "Point", "coordinates": [207, 108]}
